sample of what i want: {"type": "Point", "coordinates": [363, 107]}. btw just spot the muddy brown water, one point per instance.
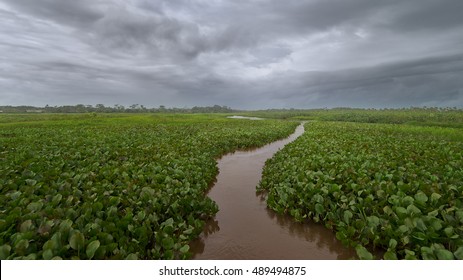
{"type": "Point", "coordinates": [244, 228]}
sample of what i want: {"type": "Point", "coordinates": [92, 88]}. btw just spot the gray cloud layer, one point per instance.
{"type": "Point", "coordinates": [244, 54]}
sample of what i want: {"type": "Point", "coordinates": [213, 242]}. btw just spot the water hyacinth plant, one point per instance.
{"type": "Point", "coordinates": [392, 190]}
{"type": "Point", "coordinates": [113, 186]}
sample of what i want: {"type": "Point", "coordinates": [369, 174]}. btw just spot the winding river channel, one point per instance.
{"type": "Point", "coordinates": [244, 228]}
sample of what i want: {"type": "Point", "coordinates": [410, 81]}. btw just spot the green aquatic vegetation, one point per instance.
{"type": "Point", "coordinates": [116, 186]}
{"type": "Point", "coordinates": [432, 117]}
{"type": "Point", "coordinates": [395, 188]}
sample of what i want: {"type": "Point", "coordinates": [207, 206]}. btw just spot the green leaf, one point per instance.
{"type": "Point", "coordinates": [435, 197]}
{"type": "Point", "coordinates": [448, 231]}
{"type": "Point", "coordinates": [47, 254]}
{"type": "Point", "coordinates": [459, 216]}
{"type": "Point", "coordinates": [65, 226]}
{"type": "Point", "coordinates": [459, 253]}
{"type": "Point", "coordinates": [21, 247]}
{"type": "Point", "coordinates": [77, 240]}
{"type": "Point", "coordinates": [97, 206]}
{"type": "Point", "coordinates": [419, 236]}
{"type": "Point", "coordinates": [35, 206]}
{"type": "Point", "coordinates": [132, 256]}
{"type": "Point", "coordinates": [341, 236]}
{"type": "Point", "coordinates": [401, 212]}
{"type": "Point", "coordinates": [91, 248]}
{"type": "Point", "coordinates": [169, 255]}
{"type": "Point", "coordinates": [421, 197]}
{"type": "Point", "coordinates": [437, 246]}
{"type": "Point", "coordinates": [318, 198]}
{"type": "Point", "coordinates": [319, 208]}
{"type": "Point", "coordinates": [15, 195]}
{"type": "Point", "coordinates": [31, 182]}
{"type": "Point", "coordinates": [409, 255]}
{"type": "Point", "coordinates": [49, 245]}
{"type": "Point", "coordinates": [25, 226]}
{"type": "Point", "coordinates": [114, 200]}
{"type": "Point", "coordinates": [168, 230]}
{"type": "Point", "coordinates": [185, 249]}
{"type": "Point", "coordinates": [141, 215]}
{"type": "Point", "coordinates": [433, 213]}
{"type": "Point", "coordinates": [32, 256]}
{"type": "Point", "coordinates": [443, 254]}
{"type": "Point", "coordinates": [413, 210]}
{"type": "Point", "coordinates": [3, 225]}
{"type": "Point", "coordinates": [390, 255]}
{"type": "Point", "coordinates": [363, 253]}
{"type": "Point", "coordinates": [387, 210]}
{"type": "Point", "coordinates": [347, 216]}
{"type": "Point", "coordinates": [5, 250]}
{"type": "Point", "coordinates": [373, 220]}
{"type": "Point", "coordinates": [403, 228]}
{"type": "Point", "coordinates": [168, 222]}
{"type": "Point", "coordinates": [56, 199]}
{"type": "Point", "coordinates": [427, 253]}
{"type": "Point", "coordinates": [392, 243]}
{"type": "Point", "coordinates": [436, 224]}
{"type": "Point", "coordinates": [168, 243]}
{"type": "Point", "coordinates": [420, 225]}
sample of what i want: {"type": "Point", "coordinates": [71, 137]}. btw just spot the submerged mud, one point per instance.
{"type": "Point", "coordinates": [244, 228]}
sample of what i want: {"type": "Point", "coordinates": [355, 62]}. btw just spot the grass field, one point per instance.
{"type": "Point", "coordinates": [114, 186]}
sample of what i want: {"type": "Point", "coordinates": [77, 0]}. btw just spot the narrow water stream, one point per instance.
{"type": "Point", "coordinates": [244, 228]}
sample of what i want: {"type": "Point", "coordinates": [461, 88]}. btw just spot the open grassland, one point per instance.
{"type": "Point", "coordinates": [394, 190]}
{"type": "Point", "coordinates": [113, 186]}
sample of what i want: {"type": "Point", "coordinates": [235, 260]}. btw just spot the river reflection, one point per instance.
{"type": "Point", "coordinates": [310, 232]}
{"type": "Point", "coordinates": [244, 228]}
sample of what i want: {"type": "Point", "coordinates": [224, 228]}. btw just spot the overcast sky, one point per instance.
{"type": "Point", "coordinates": [252, 54]}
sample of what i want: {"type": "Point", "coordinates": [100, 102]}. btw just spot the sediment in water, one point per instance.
{"type": "Point", "coordinates": [244, 228]}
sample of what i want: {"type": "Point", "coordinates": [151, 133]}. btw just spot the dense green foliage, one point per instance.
{"type": "Point", "coordinates": [443, 117]}
{"type": "Point", "coordinates": [113, 187]}
{"type": "Point", "coordinates": [398, 188]}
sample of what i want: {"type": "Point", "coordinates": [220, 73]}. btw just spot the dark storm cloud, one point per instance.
{"type": "Point", "coordinates": [411, 83]}
{"type": "Point", "coordinates": [427, 14]}
{"type": "Point", "coordinates": [152, 35]}
{"type": "Point", "coordinates": [244, 54]}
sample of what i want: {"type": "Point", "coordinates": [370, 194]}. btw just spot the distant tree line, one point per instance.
{"type": "Point", "coordinates": [101, 108]}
